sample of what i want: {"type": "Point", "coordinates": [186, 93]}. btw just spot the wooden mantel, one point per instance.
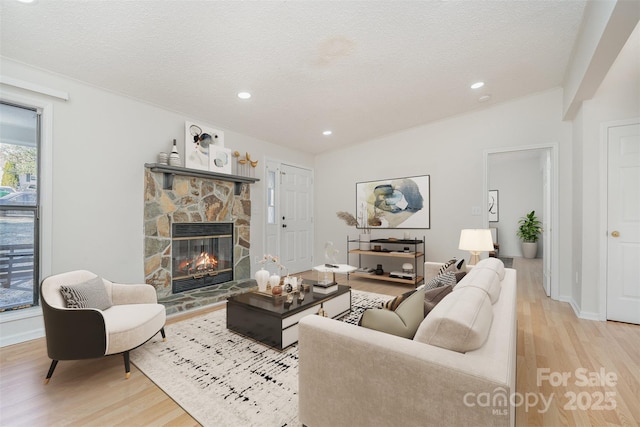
{"type": "Point", "coordinates": [171, 171]}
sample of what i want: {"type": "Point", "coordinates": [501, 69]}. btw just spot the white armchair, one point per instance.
{"type": "Point", "coordinates": [133, 317]}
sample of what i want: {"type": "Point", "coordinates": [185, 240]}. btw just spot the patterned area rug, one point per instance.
{"type": "Point", "coordinates": [223, 379]}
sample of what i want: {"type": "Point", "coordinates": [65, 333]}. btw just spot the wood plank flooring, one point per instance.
{"type": "Point", "coordinates": [550, 337]}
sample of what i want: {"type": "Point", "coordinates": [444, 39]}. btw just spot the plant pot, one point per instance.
{"type": "Point", "coordinates": [529, 249]}
{"type": "Point", "coordinates": [365, 242]}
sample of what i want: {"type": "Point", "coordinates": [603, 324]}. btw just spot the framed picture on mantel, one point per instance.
{"type": "Point", "coordinates": [199, 144]}
{"type": "Point", "coordinates": [394, 203]}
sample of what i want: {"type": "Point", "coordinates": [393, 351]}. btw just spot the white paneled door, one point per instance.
{"type": "Point", "coordinates": [623, 216]}
{"type": "Point", "coordinates": [296, 196]}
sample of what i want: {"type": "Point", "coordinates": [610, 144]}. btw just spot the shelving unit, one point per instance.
{"type": "Point", "coordinates": [414, 257]}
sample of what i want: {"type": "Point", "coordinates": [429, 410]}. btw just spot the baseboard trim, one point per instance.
{"type": "Point", "coordinates": [586, 315]}
{"type": "Point", "coordinates": [18, 326]}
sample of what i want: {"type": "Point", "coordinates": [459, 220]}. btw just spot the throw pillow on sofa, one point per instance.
{"type": "Point", "coordinates": [403, 321]}
{"type": "Point", "coordinates": [392, 304]}
{"type": "Point", "coordinates": [447, 278]}
{"type": "Point", "coordinates": [89, 294]}
{"type": "Point", "coordinates": [433, 296]}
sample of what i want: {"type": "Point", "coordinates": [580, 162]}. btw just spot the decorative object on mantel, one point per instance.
{"type": "Point", "coordinates": [199, 143]}
{"type": "Point", "coordinates": [174, 157]}
{"type": "Point", "coordinates": [163, 158]}
{"type": "Point", "coordinates": [245, 166]}
{"type": "Point", "coordinates": [396, 203]}
{"type": "Point", "coordinates": [220, 160]}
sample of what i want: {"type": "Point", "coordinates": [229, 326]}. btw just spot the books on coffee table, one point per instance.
{"type": "Point", "coordinates": [323, 288]}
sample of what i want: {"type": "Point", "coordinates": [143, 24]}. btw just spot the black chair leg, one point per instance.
{"type": "Point", "coordinates": [164, 337]}
{"type": "Point", "coordinates": [127, 368]}
{"type": "Point", "coordinates": [52, 368]}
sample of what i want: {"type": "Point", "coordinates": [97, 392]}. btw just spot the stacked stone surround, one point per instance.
{"type": "Point", "coordinates": [193, 199]}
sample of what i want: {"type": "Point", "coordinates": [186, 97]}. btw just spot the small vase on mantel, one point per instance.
{"type": "Point", "coordinates": [174, 157]}
{"type": "Point", "coordinates": [365, 242]}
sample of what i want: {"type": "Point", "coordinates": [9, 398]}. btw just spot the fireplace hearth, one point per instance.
{"type": "Point", "coordinates": [201, 255]}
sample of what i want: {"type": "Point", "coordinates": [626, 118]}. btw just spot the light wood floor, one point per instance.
{"type": "Point", "coordinates": [94, 392]}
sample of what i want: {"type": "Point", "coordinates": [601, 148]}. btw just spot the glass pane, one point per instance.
{"type": "Point", "coordinates": [271, 197]}
{"type": "Point", "coordinates": [18, 206]}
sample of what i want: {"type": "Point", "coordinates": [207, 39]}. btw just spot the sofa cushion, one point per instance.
{"type": "Point", "coordinates": [494, 264]}
{"type": "Point", "coordinates": [433, 296]}
{"type": "Point", "coordinates": [403, 322]}
{"type": "Point", "coordinates": [130, 325]}
{"type": "Point", "coordinates": [482, 278]}
{"type": "Point", "coordinates": [89, 294]}
{"type": "Point", "coordinates": [460, 322]}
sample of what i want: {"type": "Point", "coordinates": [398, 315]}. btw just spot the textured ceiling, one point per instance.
{"type": "Point", "coordinates": [361, 69]}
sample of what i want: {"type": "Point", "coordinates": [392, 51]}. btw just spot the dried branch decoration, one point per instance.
{"type": "Point", "coordinates": [347, 218]}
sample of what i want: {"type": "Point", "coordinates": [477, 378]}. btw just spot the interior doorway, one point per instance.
{"type": "Point", "coordinates": [526, 180]}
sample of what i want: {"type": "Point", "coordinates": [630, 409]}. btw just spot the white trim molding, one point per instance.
{"type": "Point", "coordinates": [32, 87]}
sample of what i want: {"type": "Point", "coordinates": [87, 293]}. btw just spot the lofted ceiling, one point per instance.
{"type": "Point", "coordinates": [362, 69]}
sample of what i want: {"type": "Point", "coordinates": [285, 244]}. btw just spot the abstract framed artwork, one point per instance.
{"type": "Point", "coordinates": [494, 207]}
{"type": "Point", "coordinates": [199, 142]}
{"type": "Point", "coordinates": [394, 203]}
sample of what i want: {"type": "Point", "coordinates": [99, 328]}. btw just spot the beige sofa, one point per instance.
{"type": "Point", "coordinates": [353, 376]}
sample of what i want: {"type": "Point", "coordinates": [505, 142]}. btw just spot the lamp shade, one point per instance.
{"type": "Point", "coordinates": [476, 240]}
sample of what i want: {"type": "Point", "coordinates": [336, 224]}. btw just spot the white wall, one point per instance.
{"type": "Point", "coordinates": [451, 152]}
{"type": "Point", "coordinates": [617, 98]}
{"type": "Point", "coordinates": [101, 142]}
{"type": "Point", "coordinates": [517, 177]}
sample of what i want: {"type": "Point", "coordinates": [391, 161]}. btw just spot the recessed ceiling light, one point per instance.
{"type": "Point", "coordinates": [27, 1]}
{"type": "Point", "coordinates": [477, 85]}
{"type": "Point", "coordinates": [327, 133]}
{"type": "Point", "coordinates": [484, 98]}
{"type": "Point", "coordinates": [244, 95]}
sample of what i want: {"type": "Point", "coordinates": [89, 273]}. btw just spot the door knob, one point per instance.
{"type": "Point", "coordinates": [284, 225]}
{"type": "Point", "coordinates": [615, 233]}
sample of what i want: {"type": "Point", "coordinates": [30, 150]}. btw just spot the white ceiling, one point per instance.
{"type": "Point", "coordinates": [361, 69]}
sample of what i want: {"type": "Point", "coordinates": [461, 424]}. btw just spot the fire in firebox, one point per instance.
{"type": "Point", "coordinates": [203, 263]}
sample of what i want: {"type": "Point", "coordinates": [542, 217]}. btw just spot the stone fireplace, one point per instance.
{"type": "Point", "coordinates": [196, 237]}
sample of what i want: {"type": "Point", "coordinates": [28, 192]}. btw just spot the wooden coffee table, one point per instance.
{"type": "Point", "coordinates": [272, 322]}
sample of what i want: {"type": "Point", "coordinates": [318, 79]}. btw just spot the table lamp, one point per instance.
{"type": "Point", "coordinates": [475, 241]}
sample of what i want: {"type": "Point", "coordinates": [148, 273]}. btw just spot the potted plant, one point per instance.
{"type": "Point", "coordinates": [528, 232]}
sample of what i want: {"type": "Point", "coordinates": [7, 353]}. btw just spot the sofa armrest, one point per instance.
{"type": "Point", "coordinates": [133, 294]}
{"type": "Point", "coordinates": [397, 381]}
{"type": "Point", "coordinates": [74, 333]}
